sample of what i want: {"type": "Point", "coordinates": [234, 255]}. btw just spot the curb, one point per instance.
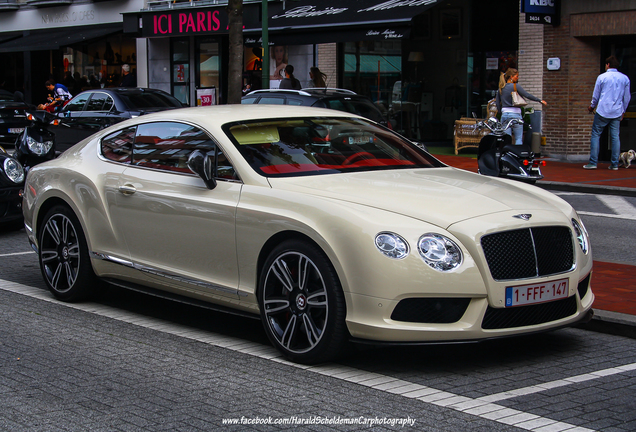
{"type": "Point", "coordinates": [613, 323]}
{"type": "Point", "coordinates": [587, 188]}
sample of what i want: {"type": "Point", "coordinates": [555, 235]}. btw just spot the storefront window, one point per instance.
{"type": "Point", "coordinates": [181, 69]}
{"type": "Point", "coordinates": [98, 64]}
{"type": "Point", "coordinates": [366, 63]}
{"type": "Point", "coordinates": [208, 72]}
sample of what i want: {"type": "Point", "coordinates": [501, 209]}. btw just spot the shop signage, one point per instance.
{"type": "Point", "coordinates": [308, 13]}
{"type": "Point", "coordinates": [541, 11]}
{"type": "Point", "coordinates": [184, 23]}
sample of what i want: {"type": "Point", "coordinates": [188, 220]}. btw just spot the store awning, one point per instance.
{"type": "Point", "coordinates": [377, 33]}
{"type": "Point", "coordinates": [310, 14]}
{"type": "Point", "coordinates": [56, 38]}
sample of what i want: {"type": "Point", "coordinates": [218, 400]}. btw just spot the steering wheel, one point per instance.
{"type": "Point", "coordinates": [358, 155]}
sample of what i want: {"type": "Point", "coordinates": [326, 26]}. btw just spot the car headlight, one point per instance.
{"type": "Point", "coordinates": [39, 148]}
{"type": "Point", "coordinates": [392, 245]}
{"type": "Point", "coordinates": [440, 252]}
{"type": "Point", "coordinates": [581, 235]}
{"type": "Point", "coordinates": [13, 169]}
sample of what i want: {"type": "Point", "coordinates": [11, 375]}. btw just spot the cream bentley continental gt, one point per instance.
{"type": "Point", "coordinates": [330, 227]}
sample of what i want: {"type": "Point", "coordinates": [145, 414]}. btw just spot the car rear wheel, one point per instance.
{"type": "Point", "coordinates": [302, 304]}
{"type": "Point", "coordinates": [64, 257]}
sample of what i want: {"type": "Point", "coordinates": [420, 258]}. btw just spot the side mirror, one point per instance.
{"type": "Point", "coordinates": [202, 165]}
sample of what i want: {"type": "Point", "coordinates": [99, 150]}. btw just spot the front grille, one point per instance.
{"type": "Point", "coordinates": [522, 316]}
{"type": "Point", "coordinates": [529, 252]}
{"type": "Point", "coordinates": [430, 310]}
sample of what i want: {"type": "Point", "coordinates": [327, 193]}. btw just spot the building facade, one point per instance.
{"type": "Point", "coordinates": [589, 32]}
{"type": "Point", "coordinates": [44, 39]}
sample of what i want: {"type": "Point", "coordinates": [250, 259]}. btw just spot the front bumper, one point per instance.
{"type": "Point", "coordinates": [372, 319]}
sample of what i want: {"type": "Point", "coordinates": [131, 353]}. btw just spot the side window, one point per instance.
{"type": "Point", "coordinates": [291, 101]}
{"type": "Point", "coordinates": [77, 103]}
{"type": "Point", "coordinates": [99, 102]}
{"type": "Point", "coordinates": [167, 145]}
{"type": "Point", "coordinates": [118, 146]}
{"type": "Point", "coordinates": [224, 169]}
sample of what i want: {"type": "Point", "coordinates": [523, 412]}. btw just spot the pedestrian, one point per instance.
{"type": "Point", "coordinates": [609, 102]}
{"type": "Point", "coordinates": [57, 98]}
{"type": "Point", "coordinates": [318, 78]}
{"type": "Point", "coordinates": [508, 83]}
{"type": "Point", "coordinates": [129, 79]}
{"type": "Point", "coordinates": [290, 82]}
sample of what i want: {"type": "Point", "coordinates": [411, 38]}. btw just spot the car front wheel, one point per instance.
{"type": "Point", "coordinates": [64, 257]}
{"type": "Point", "coordinates": [302, 304]}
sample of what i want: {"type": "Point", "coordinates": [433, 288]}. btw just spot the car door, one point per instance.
{"type": "Point", "coordinates": [176, 228]}
{"type": "Point", "coordinates": [68, 132]}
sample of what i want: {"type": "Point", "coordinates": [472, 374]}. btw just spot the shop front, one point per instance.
{"type": "Point", "coordinates": [81, 45]}
{"type": "Point", "coordinates": [428, 63]}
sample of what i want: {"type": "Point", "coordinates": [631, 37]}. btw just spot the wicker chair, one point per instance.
{"type": "Point", "coordinates": [466, 134]}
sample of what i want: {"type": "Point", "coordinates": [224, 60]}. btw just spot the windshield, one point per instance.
{"type": "Point", "coordinates": [309, 146]}
{"type": "Point", "coordinates": [145, 100]}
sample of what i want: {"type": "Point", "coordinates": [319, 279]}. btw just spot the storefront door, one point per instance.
{"type": "Point", "coordinates": [208, 73]}
{"type": "Point", "coordinates": [624, 48]}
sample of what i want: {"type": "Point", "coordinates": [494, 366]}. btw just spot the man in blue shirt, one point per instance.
{"type": "Point", "coordinates": [610, 99]}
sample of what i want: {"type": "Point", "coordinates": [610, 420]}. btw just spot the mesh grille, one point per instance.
{"type": "Point", "coordinates": [522, 316]}
{"type": "Point", "coordinates": [430, 310]}
{"type": "Point", "coordinates": [529, 252]}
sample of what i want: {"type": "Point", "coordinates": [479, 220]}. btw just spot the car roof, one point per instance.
{"type": "Point", "coordinates": [317, 92]}
{"type": "Point", "coordinates": [222, 114]}
{"type": "Point", "coordinates": [123, 90]}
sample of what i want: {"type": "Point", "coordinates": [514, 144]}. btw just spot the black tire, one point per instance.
{"type": "Point", "coordinates": [302, 304]}
{"type": "Point", "coordinates": [63, 255]}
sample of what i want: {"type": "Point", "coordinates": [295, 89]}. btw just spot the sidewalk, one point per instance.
{"type": "Point", "coordinates": [614, 285]}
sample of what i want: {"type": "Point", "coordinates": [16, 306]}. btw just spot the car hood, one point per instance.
{"type": "Point", "coordinates": [441, 196]}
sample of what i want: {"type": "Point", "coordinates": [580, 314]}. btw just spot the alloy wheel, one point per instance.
{"type": "Point", "coordinates": [60, 253]}
{"type": "Point", "coordinates": [295, 300]}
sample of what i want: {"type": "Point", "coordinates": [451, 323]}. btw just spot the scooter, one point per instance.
{"type": "Point", "coordinates": [36, 144]}
{"type": "Point", "coordinates": [498, 157]}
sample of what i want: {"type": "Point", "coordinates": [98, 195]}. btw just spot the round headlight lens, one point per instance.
{"type": "Point", "coordinates": [392, 245]}
{"type": "Point", "coordinates": [39, 148]}
{"type": "Point", "coordinates": [440, 252]}
{"type": "Point", "coordinates": [581, 235]}
{"type": "Point", "coordinates": [13, 169]}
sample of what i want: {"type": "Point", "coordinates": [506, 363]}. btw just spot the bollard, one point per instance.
{"type": "Point", "coordinates": [536, 142]}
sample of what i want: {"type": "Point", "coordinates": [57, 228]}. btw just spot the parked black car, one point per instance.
{"type": "Point", "coordinates": [11, 184]}
{"type": "Point", "coordinates": [340, 99]}
{"type": "Point", "coordinates": [96, 109]}
{"type": "Point", "coordinates": [13, 118]}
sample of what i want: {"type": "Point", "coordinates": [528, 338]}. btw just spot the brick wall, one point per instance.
{"type": "Point", "coordinates": [531, 58]}
{"type": "Point", "coordinates": [568, 91]}
{"type": "Point", "coordinates": [327, 63]}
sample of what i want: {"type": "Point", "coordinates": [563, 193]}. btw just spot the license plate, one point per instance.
{"type": "Point", "coordinates": [537, 293]}
{"type": "Point", "coordinates": [16, 130]}
{"type": "Point", "coordinates": [360, 140]}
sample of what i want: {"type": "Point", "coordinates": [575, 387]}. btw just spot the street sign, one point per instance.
{"type": "Point", "coordinates": [541, 11]}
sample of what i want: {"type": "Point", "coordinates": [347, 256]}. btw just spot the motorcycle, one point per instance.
{"type": "Point", "coordinates": [498, 157]}
{"type": "Point", "coordinates": [36, 144]}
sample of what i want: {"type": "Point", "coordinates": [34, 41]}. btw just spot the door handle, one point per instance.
{"type": "Point", "coordinates": [127, 189]}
